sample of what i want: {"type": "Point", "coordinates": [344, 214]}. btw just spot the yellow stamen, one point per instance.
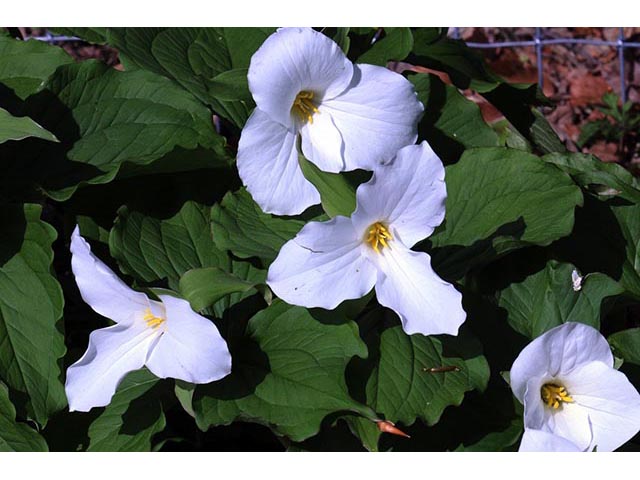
{"type": "Point", "coordinates": [554, 395]}
{"type": "Point", "coordinates": [151, 319]}
{"type": "Point", "coordinates": [304, 107]}
{"type": "Point", "coordinates": [378, 236]}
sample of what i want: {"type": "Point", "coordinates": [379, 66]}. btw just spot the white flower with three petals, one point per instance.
{"type": "Point", "coordinates": [566, 381]}
{"type": "Point", "coordinates": [543, 441]}
{"type": "Point", "coordinates": [344, 258]}
{"type": "Point", "coordinates": [348, 117]}
{"type": "Point", "coordinates": [167, 337]}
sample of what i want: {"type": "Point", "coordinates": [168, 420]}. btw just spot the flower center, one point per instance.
{"type": "Point", "coordinates": [304, 107]}
{"type": "Point", "coordinates": [152, 320]}
{"type": "Point", "coordinates": [378, 236]}
{"type": "Point", "coordinates": [554, 395]}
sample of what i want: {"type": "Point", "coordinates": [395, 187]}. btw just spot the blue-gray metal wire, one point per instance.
{"type": "Point", "coordinates": [538, 43]}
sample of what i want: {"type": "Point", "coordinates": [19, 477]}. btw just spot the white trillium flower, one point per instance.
{"type": "Point", "coordinates": [167, 337]}
{"type": "Point", "coordinates": [344, 258]}
{"type": "Point", "coordinates": [566, 381]}
{"type": "Point", "coordinates": [542, 441]}
{"type": "Point", "coordinates": [348, 117]}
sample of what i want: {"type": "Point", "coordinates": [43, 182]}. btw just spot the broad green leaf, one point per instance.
{"type": "Point", "coordinates": [467, 69]}
{"type": "Point", "coordinates": [89, 34]}
{"type": "Point", "coordinates": [195, 58]}
{"type": "Point", "coordinates": [396, 45]}
{"type": "Point", "coordinates": [337, 194]}
{"type": "Point", "coordinates": [241, 227]}
{"type": "Point", "coordinates": [342, 39]}
{"type": "Point", "coordinates": [518, 103]}
{"type": "Point", "coordinates": [16, 436]}
{"type": "Point", "coordinates": [106, 118]}
{"type": "Point", "coordinates": [152, 249]}
{"type": "Point", "coordinates": [24, 66]}
{"type": "Point", "coordinates": [244, 271]}
{"type": "Point", "coordinates": [451, 123]}
{"type": "Point", "coordinates": [548, 298]}
{"type": "Point", "coordinates": [498, 200]}
{"type": "Point", "coordinates": [203, 287]}
{"type": "Point", "coordinates": [289, 374]}
{"type": "Point", "coordinates": [91, 230]}
{"type": "Point", "coordinates": [433, 49]}
{"type": "Point", "coordinates": [628, 217]}
{"type": "Point", "coordinates": [365, 430]}
{"type": "Point", "coordinates": [31, 338]}
{"type": "Point", "coordinates": [403, 385]}
{"type": "Point", "coordinates": [606, 239]}
{"type": "Point", "coordinates": [134, 415]}
{"type": "Point", "coordinates": [17, 128]}
{"type": "Point", "coordinates": [502, 441]}
{"type": "Point", "coordinates": [605, 179]}
{"type": "Point", "coordinates": [626, 344]}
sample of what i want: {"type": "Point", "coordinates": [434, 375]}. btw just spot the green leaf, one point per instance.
{"type": "Point", "coordinates": [17, 128]}
{"type": "Point", "coordinates": [518, 104]}
{"type": "Point", "coordinates": [88, 34]}
{"type": "Point", "coordinates": [242, 228]}
{"type": "Point", "coordinates": [497, 441]}
{"type": "Point", "coordinates": [342, 39]}
{"type": "Point", "coordinates": [152, 249]}
{"type": "Point", "coordinates": [606, 179]}
{"type": "Point", "coordinates": [498, 200]}
{"type": "Point", "coordinates": [365, 430]}
{"type": "Point", "coordinates": [403, 387]}
{"type": "Point", "coordinates": [289, 374]}
{"type": "Point", "coordinates": [105, 118]}
{"type": "Point", "coordinates": [16, 436]}
{"type": "Point", "coordinates": [337, 194]}
{"type": "Point", "coordinates": [467, 69]}
{"type": "Point", "coordinates": [433, 49]}
{"type": "Point", "coordinates": [396, 45]}
{"type": "Point", "coordinates": [24, 66]}
{"type": "Point", "coordinates": [606, 239]}
{"type": "Point", "coordinates": [548, 298]}
{"type": "Point", "coordinates": [134, 415]}
{"type": "Point", "coordinates": [626, 344]}
{"type": "Point", "coordinates": [31, 338]}
{"type": "Point", "coordinates": [450, 123]}
{"type": "Point", "coordinates": [203, 287]}
{"type": "Point", "coordinates": [195, 58]}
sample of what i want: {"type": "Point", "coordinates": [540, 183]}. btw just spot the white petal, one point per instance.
{"type": "Point", "coordinates": [541, 441]}
{"type": "Point", "coordinates": [191, 347]}
{"type": "Point", "coordinates": [113, 352]}
{"type": "Point", "coordinates": [268, 166]}
{"type": "Point", "coordinates": [408, 285]}
{"type": "Point", "coordinates": [294, 60]}
{"type": "Point", "coordinates": [557, 352]}
{"type": "Point", "coordinates": [408, 194]}
{"type": "Point", "coordinates": [377, 115]}
{"type": "Point", "coordinates": [534, 410]}
{"type": "Point", "coordinates": [100, 287]}
{"type": "Point", "coordinates": [322, 143]}
{"type": "Point", "coordinates": [322, 266]}
{"type": "Point", "coordinates": [612, 403]}
{"type": "Point", "coordinates": [570, 421]}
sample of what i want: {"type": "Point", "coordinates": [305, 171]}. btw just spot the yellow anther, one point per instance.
{"type": "Point", "coordinates": [151, 319]}
{"type": "Point", "coordinates": [554, 395]}
{"type": "Point", "coordinates": [378, 236]}
{"type": "Point", "coordinates": [304, 107]}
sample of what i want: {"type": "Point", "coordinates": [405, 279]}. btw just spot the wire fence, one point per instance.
{"type": "Point", "coordinates": [538, 42]}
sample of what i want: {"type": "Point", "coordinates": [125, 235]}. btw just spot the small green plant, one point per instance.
{"type": "Point", "coordinates": [619, 125]}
